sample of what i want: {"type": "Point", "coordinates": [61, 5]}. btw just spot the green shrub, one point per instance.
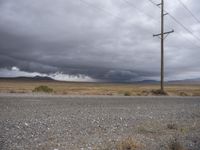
{"type": "Point", "coordinates": [158, 92]}
{"type": "Point", "coordinates": [127, 93]}
{"type": "Point", "coordinates": [43, 89]}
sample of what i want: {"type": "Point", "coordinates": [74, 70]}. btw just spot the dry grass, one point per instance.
{"type": "Point", "coordinates": [129, 144]}
{"type": "Point", "coordinates": [172, 126]}
{"type": "Point", "coordinates": [127, 93]}
{"type": "Point", "coordinates": [175, 145]}
{"type": "Point", "coordinates": [69, 88]}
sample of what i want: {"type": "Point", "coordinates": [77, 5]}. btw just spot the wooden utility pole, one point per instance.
{"type": "Point", "coordinates": [162, 44]}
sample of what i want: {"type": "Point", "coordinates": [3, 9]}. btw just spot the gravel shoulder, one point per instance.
{"type": "Point", "coordinates": [45, 122]}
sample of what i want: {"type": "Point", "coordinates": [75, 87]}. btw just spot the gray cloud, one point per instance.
{"type": "Point", "coordinates": [107, 40]}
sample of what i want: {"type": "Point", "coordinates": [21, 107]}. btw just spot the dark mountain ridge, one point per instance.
{"type": "Point", "coordinates": [35, 78]}
{"type": "Point", "coordinates": [46, 78]}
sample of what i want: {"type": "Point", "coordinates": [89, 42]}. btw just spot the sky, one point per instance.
{"type": "Point", "coordinates": [98, 40]}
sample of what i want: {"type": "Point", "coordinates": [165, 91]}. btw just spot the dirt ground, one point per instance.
{"type": "Point", "coordinates": [47, 122]}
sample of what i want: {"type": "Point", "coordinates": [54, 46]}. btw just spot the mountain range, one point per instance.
{"type": "Point", "coordinates": [45, 78]}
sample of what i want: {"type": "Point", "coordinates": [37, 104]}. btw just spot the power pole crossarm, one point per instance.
{"type": "Point", "coordinates": [162, 44]}
{"type": "Point", "coordinates": [164, 33]}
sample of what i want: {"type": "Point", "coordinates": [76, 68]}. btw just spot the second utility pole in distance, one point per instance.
{"type": "Point", "coordinates": [162, 44]}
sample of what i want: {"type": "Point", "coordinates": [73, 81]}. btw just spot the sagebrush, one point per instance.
{"type": "Point", "coordinates": [43, 89]}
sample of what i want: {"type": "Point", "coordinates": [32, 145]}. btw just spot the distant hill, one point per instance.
{"type": "Point", "coordinates": [45, 78]}
{"type": "Point", "coordinates": [36, 78]}
{"type": "Point", "coordinates": [147, 82]}
{"type": "Point", "coordinates": [186, 81]}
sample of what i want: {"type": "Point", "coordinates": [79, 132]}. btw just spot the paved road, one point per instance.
{"type": "Point", "coordinates": [30, 122]}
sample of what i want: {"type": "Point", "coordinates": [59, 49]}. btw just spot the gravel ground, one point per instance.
{"type": "Point", "coordinates": [32, 122]}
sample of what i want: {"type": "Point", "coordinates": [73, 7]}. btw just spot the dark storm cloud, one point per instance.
{"type": "Point", "coordinates": [107, 40]}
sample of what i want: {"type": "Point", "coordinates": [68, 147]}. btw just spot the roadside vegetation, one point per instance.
{"type": "Point", "coordinates": [127, 93]}
{"type": "Point", "coordinates": [129, 144]}
{"type": "Point", "coordinates": [174, 144]}
{"type": "Point", "coordinates": [172, 126]}
{"type": "Point", "coordinates": [75, 88]}
{"type": "Point", "coordinates": [43, 89]}
{"type": "Point", "coordinates": [154, 93]}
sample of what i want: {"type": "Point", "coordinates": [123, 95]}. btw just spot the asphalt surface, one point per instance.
{"type": "Point", "coordinates": [32, 122]}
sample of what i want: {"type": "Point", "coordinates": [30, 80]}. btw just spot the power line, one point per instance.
{"type": "Point", "coordinates": [184, 27]}
{"type": "Point", "coordinates": [142, 12]}
{"type": "Point", "coordinates": [189, 11]}
{"type": "Point", "coordinates": [153, 3]}
{"type": "Point", "coordinates": [178, 22]}
{"type": "Point", "coordinates": [133, 5]}
{"type": "Point", "coordinates": [104, 10]}
{"type": "Point", "coordinates": [101, 9]}
{"type": "Point", "coordinates": [181, 26]}
{"type": "Point", "coordinates": [139, 10]}
{"type": "Point", "coordinates": [188, 39]}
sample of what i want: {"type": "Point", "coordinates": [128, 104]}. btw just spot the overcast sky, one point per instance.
{"type": "Point", "coordinates": [97, 40]}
